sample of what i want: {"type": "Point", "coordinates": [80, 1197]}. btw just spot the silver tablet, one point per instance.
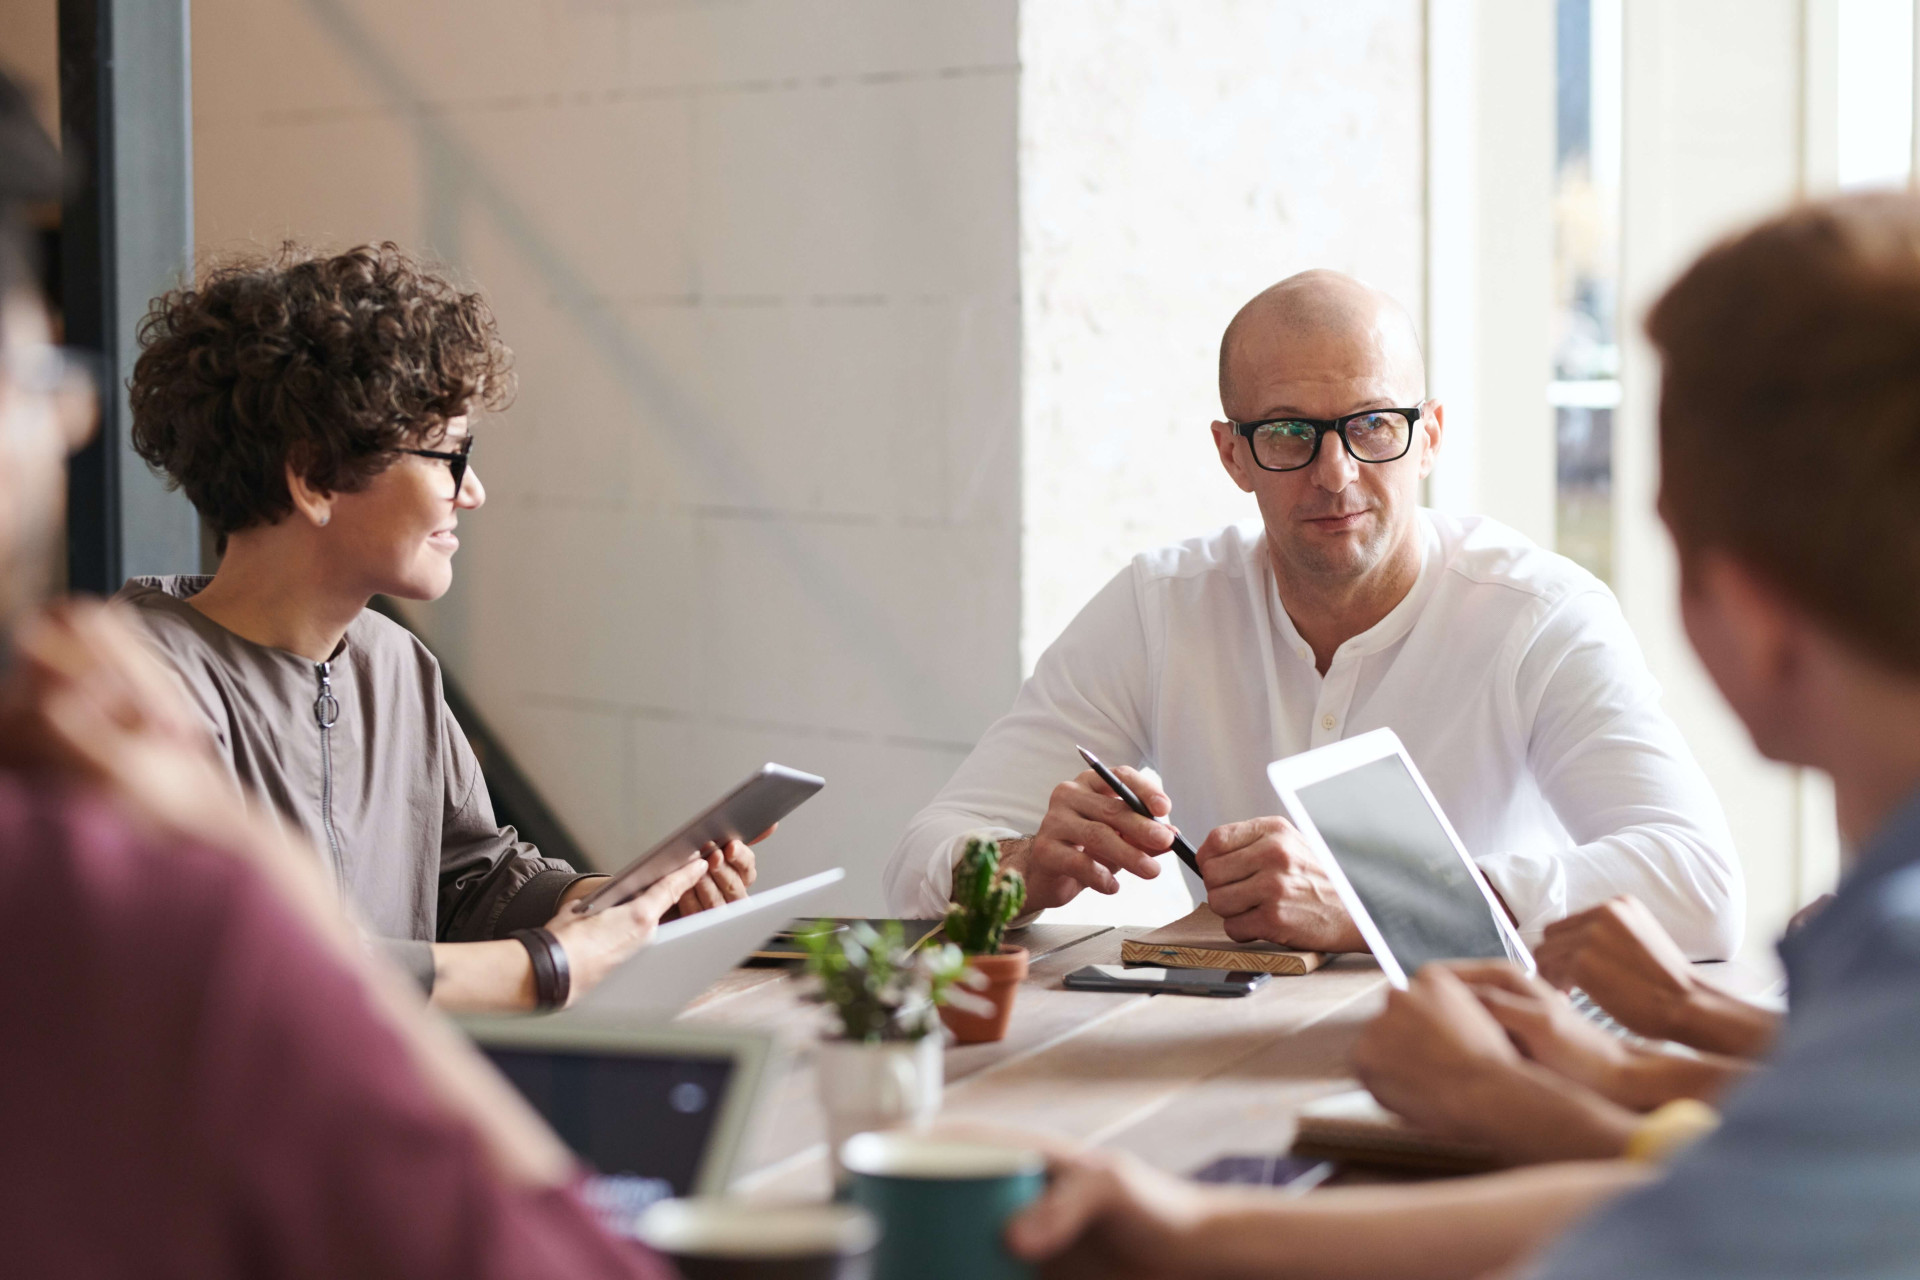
{"type": "Point", "coordinates": [742, 814]}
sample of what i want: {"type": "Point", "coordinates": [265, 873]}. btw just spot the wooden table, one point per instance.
{"type": "Point", "coordinates": [1178, 1080]}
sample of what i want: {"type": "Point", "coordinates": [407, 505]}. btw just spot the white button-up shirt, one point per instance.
{"type": "Point", "coordinates": [1507, 671]}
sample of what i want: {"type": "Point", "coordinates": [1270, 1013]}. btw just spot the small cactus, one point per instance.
{"type": "Point", "coordinates": [986, 899]}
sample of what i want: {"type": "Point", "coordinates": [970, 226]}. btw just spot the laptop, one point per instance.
{"type": "Point", "coordinates": [687, 955]}
{"type": "Point", "coordinates": [654, 1112]}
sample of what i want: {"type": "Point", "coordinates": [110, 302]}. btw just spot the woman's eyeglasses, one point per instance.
{"type": "Point", "coordinates": [457, 462]}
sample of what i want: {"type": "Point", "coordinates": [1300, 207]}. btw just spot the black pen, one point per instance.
{"type": "Point", "coordinates": [1135, 803]}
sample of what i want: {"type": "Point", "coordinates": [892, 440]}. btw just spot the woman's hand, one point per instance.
{"type": "Point", "coordinates": [597, 944]}
{"type": "Point", "coordinates": [730, 872]}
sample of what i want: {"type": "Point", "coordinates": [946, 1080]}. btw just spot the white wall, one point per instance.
{"type": "Point", "coordinates": [759, 496]}
{"type": "Point", "coordinates": [1178, 156]}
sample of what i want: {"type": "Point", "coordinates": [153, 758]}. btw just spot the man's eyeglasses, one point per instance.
{"type": "Point", "coordinates": [457, 462]}
{"type": "Point", "coordinates": [1288, 444]}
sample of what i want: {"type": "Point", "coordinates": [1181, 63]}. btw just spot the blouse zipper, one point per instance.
{"type": "Point", "coordinates": [326, 711]}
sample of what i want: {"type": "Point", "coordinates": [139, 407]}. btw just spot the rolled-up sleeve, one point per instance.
{"type": "Point", "coordinates": [491, 881]}
{"type": "Point", "coordinates": [1624, 784]}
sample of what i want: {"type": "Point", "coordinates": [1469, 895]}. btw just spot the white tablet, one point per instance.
{"type": "Point", "coordinates": [686, 955]}
{"type": "Point", "coordinates": [1401, 870]}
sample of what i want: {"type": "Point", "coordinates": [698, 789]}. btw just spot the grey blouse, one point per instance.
{"type": "Point", "coordinates": [363, 756]}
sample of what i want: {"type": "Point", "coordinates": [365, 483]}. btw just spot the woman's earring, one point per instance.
{"type": "Point", "coordinates": [324, 519]}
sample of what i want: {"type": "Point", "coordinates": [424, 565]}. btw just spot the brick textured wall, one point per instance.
{"type": "Point", "coordinates": [758, 498]}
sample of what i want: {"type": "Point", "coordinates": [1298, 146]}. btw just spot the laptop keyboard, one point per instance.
{"type": "Point", "coordinates": [1584, 1005]}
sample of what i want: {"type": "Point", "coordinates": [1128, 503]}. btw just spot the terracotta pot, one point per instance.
{"type": "Point", "coordinates": [1004, 974]}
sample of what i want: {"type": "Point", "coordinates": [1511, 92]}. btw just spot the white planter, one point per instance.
{"type": "Point", "coordinates": [890, 1085]}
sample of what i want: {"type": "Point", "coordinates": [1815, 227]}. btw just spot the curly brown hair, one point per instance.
{"type": "Point", "coordinates": [329, 363]}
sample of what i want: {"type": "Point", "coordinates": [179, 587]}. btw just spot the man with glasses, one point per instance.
{"type": "Point", "coordinates": [1508, 671]}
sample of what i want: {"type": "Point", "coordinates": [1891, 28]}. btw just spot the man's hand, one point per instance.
{"type": "Point", "coordinates": [1267, 885]}
{"type": "Point", "coordinates": [1435, 1055]}
{"type": "Point", "coordinates": [1438, 1057]}
{"type": "Point", "coordinates": [1547, 1028]}
{"type": "Point", "coordinates": [1618, 954]}
{"type": "Point", "coordinates": [1107, 1214]}
{"type": "Point", "coordinates": [597, 944]}
{"type": "Point", "coordinates": [1088, 835]}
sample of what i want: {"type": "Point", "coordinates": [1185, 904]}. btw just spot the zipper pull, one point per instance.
{"type": "Point", "coordinates": [325, 709]}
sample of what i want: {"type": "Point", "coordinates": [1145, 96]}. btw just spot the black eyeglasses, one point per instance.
{"type": "Point", "coordinates": [1288, 444]}
{"type": "Point", "coordinates": [456, 462]}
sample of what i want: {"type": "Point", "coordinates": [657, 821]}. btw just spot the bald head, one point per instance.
{"type": "Point", "coordinates": [1316, 326]}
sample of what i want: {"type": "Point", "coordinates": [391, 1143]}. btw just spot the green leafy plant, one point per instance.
{"type": "Point", "coordinates": [986, 899]}
{"type": "Point", "coordinates": [881, 988]}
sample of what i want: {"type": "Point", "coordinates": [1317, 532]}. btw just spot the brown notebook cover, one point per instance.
{"type": "Point", "coordinates": [1352, 1126]}
{"type": "Point", "coordinates": [1198, 940]}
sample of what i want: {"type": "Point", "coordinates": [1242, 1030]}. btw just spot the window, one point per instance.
{"type": "Point", "coordinates": [1585, 390]}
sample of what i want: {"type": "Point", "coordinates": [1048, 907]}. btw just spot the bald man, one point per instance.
{"type": "Point", "coordinates": [1508, 672]}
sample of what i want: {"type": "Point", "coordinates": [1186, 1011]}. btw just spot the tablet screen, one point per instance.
{"type": "Point", "coordinates": [1397, 856]}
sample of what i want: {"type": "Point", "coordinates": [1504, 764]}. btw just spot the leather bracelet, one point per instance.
{"type": "Point", "coordinates": [552, 975]}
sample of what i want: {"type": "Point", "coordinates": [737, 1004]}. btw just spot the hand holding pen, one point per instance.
{"type": "Point", "coordinates": [1090, 835]}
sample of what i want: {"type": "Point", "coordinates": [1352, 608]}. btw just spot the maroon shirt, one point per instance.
{"type": "Point", "coordinates": [191, 1086]}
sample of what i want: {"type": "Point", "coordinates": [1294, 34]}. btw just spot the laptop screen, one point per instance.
{"type": "Point", "coordinates": [1401, 864]}
{"type": "Point", "coordinates": [643, 1122]}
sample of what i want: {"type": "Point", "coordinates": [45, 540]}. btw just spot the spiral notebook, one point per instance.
{"type": "Point", "coordinates": [1198, 940]}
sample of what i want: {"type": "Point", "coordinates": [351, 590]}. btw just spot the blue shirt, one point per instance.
{"type": "Point", "coordinates": [1815, 1169]}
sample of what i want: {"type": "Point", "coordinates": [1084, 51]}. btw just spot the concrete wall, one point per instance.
{"type": "Point", "coordinates": [1177, 158]}
{"type": "Point", "coordinates": [759, 496]}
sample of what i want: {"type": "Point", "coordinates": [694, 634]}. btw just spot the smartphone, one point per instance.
{"type": "Point", "coordinates": [742, 814]}
{"type": "Point", "coordinates": [1179, 982]}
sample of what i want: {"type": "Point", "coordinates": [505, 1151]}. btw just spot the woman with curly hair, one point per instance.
{"type": "Point", "coordinates": [315, 410]}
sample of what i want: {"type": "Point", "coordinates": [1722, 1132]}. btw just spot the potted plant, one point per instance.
{"type": "Point", "coordinates": [884, 1069]}
{"type": "Point", "coordinates": [986, 899]}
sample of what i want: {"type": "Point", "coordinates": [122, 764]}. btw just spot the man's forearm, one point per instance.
{"type": "Point", "coordinates": [1716, 1022]}
{"type": "Point", "coordinates": [1458, 1228]}
{"type": "Point", "coordinates": [1649, 1079]}
{"type": "Point", "coordinates": [1533, 1116]}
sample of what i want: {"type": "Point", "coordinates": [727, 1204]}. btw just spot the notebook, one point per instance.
{"type": "Point", "coordinates": [1198, 940]}
{"type": "Point", "coordinates": [1352, 1126]}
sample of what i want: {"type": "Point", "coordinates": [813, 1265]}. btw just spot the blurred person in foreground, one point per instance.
{"type": "Point", "coordinates": [207, 1074]}
{"type": "Point", "coordinates": [1790, 451]}
{"type": "Point", "coordinates": [1508, 672]}
{"type": "Point", "coordinates": [316, 410]}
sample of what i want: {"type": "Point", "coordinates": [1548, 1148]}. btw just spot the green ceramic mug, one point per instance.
{"type": "Point", "coordinates": [943, 1204]}
{"type": "Point", "coordinates": [714, 1238]}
